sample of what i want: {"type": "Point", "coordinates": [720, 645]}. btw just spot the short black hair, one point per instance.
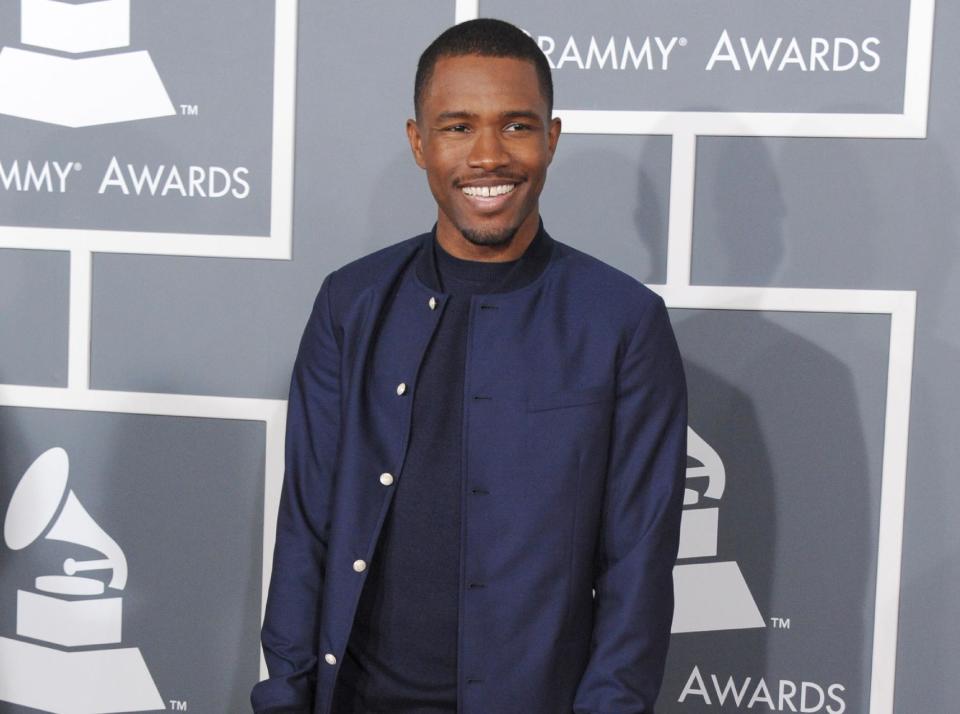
{"type": "Point", "coordinates": [486, 37]}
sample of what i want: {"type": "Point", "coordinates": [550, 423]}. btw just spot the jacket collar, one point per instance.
{"type": "Point", "coordinates": [533, 261]}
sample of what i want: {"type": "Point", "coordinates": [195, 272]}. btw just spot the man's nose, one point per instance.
{"type": "Point", "coordinates": [488, 152]}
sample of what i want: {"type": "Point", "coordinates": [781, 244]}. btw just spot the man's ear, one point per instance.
{"type": "Point", "coordinates": [416, 142]}
{"type": "Point", "coordinates": [553, 136]}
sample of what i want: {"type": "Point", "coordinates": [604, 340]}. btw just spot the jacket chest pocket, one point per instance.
{"type": "Point", "coordinates": [564, 398]}
{"type": "Point", "coordinates": [561, 422]}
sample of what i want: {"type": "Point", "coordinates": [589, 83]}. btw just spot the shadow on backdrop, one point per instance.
{"type": "Point", "coordinates": [781, 411]}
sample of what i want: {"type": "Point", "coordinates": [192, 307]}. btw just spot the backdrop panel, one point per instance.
{"type": "Point", "coordinates": [183, 501]}
{"type": "Point", "coordinates": [792, 406]}
{"type": "Point", "coordinates": [199, 164]}
{"type": "Point", "coordinates": [733, 55]}
{"type": "Point", "coordinates": [34, 303]}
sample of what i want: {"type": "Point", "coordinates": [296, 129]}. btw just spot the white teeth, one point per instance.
{"type": "Point", "coordinates": [488, 191]}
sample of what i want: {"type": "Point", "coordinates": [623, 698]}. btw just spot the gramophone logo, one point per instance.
{"type": "Point", "coordinates": [66, 658]}
{"type": "Point", "coordinates": [711, 595]}
{"type": "Point", "coordinates": [45, 83]}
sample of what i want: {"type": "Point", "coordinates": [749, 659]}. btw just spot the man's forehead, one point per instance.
{"type": "Point", "coordinates": [484, 78]}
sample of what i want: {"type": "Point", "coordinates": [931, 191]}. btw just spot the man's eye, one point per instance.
{"type": "Point", "coordinates": [517, 126]}
{"type": "Point", "coordinates": [457, 128]}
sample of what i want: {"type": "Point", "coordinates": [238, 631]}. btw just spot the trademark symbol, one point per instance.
{"type": "Point", "coordinates": [189, 110]}
{"type": "Point", "coordinates": [77, 166]}
{"type": "Point", "coordinates": [178, 705]}
{"type": "Point", "coordinates": [780, 623]}
{"type": "Point", "coordinates": [683, 41]}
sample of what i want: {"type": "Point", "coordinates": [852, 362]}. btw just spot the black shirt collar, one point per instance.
{"type": "Point", "coordinates": [524, 271]}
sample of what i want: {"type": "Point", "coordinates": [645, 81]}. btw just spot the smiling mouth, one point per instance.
{"type": "Point", "coordinates": [488, 191]}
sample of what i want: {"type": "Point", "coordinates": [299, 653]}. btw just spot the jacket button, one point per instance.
{"type": "Point", "coordinates": [432, 302]}
{"type": "Point", "coordinates": [386, 478]}
{"type": "Point", "coordinates": [401, 388]}
{"type": "Point", "coordinates": [329, 658]}
{"type": "Point", "coordinates": [359, 565]}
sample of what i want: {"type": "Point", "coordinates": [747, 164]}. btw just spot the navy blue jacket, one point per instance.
{"type": "Point", "coordinates": [574, 456]}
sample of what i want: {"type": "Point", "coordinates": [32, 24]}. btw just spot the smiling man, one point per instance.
{"type": "Point", "coordinates": [486, 442]}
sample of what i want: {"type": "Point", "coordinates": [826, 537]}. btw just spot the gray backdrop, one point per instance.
{"type": "Point", "coordinates": [792, 402]}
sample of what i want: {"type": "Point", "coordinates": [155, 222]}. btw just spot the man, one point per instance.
{"type": "Point", "coordinates": [486, 442]}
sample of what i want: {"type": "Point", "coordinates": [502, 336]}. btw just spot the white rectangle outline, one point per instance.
{"type": "Point", "coordinates": [276, 246]}
{"type": "Point", "coordinates": [911, 123]}
{"type": "Point", "coordinates": [901, 306]}
{"type": "Point", "coordinates": [271, 412]}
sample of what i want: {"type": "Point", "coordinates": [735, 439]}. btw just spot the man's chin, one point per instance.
{"type": "Point", "coordinates": [489, 237]}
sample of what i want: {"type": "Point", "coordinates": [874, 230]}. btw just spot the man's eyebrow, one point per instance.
{"type": "Point", "coordinates": [449, 116]}
{"type": "Point", "coordinates": [521, 114]}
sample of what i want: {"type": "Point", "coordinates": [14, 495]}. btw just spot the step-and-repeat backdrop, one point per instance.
{"type": "Point", "coordinates": [162, 235]}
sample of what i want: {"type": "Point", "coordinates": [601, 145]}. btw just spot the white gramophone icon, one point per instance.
{"type": "Point", "coordinates": [47, 84]}
{"type": "Point", "coordinates": [710, 595]}
{"type": "Point", "coordinates": [69, 661]}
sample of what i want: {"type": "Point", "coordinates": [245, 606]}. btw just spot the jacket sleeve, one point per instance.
{"type": "Point", "coordinates": [640, 525]}
{"type": "Point", "coordinates": [289, 633]}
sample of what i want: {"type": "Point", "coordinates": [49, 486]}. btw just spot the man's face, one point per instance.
{"type": "Point", "coordinates": [485, 139]}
